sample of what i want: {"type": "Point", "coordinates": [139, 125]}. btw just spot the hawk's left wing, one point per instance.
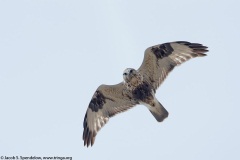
{"type": "Point", "coordinates": [107, 101]}
{"type": "Point", "coordinates": [160, 59]}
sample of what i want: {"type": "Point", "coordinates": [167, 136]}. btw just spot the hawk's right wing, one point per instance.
{"type": "Point", "coordinates": [161, 59]}
{"type": "Point", "coordinates": [107, 101]}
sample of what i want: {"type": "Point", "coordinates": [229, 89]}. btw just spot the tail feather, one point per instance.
{"type": "Point", "coordinates": [159, 112]}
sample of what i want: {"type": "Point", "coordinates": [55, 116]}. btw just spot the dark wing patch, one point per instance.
{"type": "Point", "coordinates": [97, 101]}
{"type": "Point", "coordinates": [160, 60]}
{"type": "Point", "coordinates": [162, 50]}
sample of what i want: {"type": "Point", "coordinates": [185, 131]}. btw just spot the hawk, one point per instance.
{"type": "Point", "coordinates": [138, 86]}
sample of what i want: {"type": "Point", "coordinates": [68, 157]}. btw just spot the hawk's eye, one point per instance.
{"type": "Point", "coordinates": [131, 71]}
{"type": "Point", "coordinates": [124, 74]}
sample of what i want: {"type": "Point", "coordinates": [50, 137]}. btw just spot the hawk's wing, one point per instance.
{"type": "Point", "coordinates": [107, 101]}
{"type": "Point", "coordinates": [160, 59]}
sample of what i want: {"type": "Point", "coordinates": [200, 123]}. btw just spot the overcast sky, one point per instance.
{"type": "Point", "coordinates": [55, 53]}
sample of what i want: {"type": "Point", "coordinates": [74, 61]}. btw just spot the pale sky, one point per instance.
{"type": "Point", "coordinates": [55, 53]}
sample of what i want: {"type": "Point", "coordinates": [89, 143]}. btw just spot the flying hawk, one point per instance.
{"type": "Point", "coordinates": [138, 86]}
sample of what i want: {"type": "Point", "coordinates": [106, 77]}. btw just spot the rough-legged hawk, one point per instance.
{"type": "Point", "coordinates": [138, 86]}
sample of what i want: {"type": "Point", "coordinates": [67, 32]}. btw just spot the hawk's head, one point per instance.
{"type": "Point", "coordinates": [129, 74]}
{"type": "Point", "coordinates": [132, 78]}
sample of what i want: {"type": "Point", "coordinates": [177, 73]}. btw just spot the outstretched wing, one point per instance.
{"type": "Point", "coordinates": [161, 59]}
{"type": "Point", "coordinates": [107, 101]}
